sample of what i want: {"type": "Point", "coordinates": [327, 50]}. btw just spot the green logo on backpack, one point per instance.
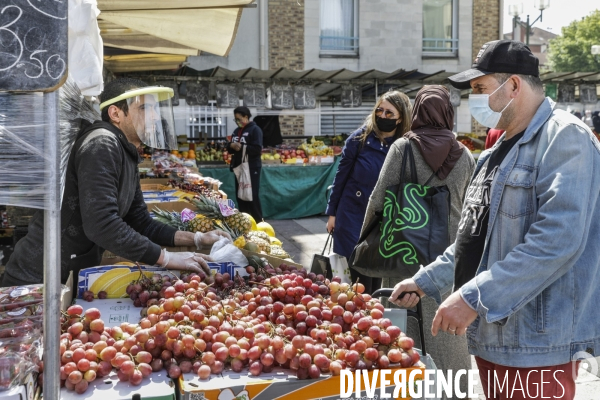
{"type": "Point", "coordinates": [396, 218]}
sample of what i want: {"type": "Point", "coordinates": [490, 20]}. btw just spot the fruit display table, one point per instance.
{"type": "Point", "coordinates": [286, 191]}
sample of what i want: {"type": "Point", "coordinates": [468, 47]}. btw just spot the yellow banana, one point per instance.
{"type": "Point", "coordinates": [107, 276]}
{"type": "Point", "coordinates": [117, 287]}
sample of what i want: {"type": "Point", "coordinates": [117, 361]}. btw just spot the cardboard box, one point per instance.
{"type": "Point", "coordinates": [114, 311]}
{"type": "Point", "coordinates": [26, 391]}
{"type": "Point", "coordinates": [154, 181]}
{"type": "Point", "coordinates": [177, 206]}
{"type": "Point", "coordinates": [146, 164]}
{"type": "Point", "coordinates": [158, 386]}
{"type": "Point", "coordinates": [274, 261]}
{"type": "Point", "coordinates": [278, 385]}
{"type": "Point", "coordinates": [88, 276]}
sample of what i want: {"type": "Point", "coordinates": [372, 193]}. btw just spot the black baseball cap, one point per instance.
{"type": "Point", "coordinates": [499, 56]}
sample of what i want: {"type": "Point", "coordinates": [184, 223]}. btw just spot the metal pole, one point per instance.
{"type": "Point", "coordinates": [527, 32]}
{"type": "Point", "coordinates": [376, 91]}
{"type": "Point", "coordinates": [52, 286]}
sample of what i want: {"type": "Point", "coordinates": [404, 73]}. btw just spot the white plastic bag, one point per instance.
{"type": "Point", "coordinates": [225, 251]}
{"type": "Point", "coordinates": [242, 173]}
{"type": "Point", "coordinates": [85, 47]}
{"type": "Point", "coordinates": [339, 267]}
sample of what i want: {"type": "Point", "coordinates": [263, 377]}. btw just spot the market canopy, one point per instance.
{"type": "Point", "coordinates": [174, 27]}
{"type": "Point", "coordinates": [328, 84]}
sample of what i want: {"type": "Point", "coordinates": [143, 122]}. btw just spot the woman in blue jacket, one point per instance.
{"type": "Point", "coordinates": [362, 159]}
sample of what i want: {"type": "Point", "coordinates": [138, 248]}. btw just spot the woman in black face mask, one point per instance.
{"type": "Point", "coordinates": [362, 159]}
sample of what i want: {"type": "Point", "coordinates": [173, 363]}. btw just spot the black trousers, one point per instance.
{"type": "Point", "coordinates": [252, 207]}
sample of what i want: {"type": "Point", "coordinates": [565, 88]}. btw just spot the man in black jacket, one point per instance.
{"type": "Point", "coordinates": [249, 136]}
{"type": "Point", "coordinates": [103, 205]}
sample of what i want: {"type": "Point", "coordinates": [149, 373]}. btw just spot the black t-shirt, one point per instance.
{"type": "Point", "coordinates": [473, 225]}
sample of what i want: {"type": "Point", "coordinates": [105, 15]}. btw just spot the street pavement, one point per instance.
{"type": "Point", "coordinates": [302, 238]}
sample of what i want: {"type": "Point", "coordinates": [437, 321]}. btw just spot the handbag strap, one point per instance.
{"type": "Point", "coordinates": [244, 155]}
{"type": "Point", "coordinates": [413, 167]}
{"type": "Point", "coordinates": [330, 236]}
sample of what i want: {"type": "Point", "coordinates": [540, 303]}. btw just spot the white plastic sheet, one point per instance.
{"type": "Point", "coordinates": [23, 177]}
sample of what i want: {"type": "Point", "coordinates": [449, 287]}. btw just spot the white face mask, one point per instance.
{"type": "Point", "coordinates": [479, 105]}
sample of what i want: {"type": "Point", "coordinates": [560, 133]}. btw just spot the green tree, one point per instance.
{"type": "Point", "coordinates": [571, 51]}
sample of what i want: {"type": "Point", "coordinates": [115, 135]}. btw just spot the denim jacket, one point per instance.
{"type": "Point", "coordinates": [537, 288]}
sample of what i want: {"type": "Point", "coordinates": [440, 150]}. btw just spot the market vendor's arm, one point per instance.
{"type": "Point", "coordinates": [139, 219]}
{"type": "Point", "coordinates": [98, 166]}
{"type": "Point", "coordinates": [199, 239]}
{"type": "Point", "coordinates": [254, 141]}
{"type": "Point", "coordinates": [342, 174]}
{"type": "Point", "coordinates": [564, 183]}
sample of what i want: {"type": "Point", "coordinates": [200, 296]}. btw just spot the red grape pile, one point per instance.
{"type": "Point", "coordinates": [293, 319]}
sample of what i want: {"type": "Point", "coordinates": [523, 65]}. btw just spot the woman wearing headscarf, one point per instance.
{"type": "Point", "coordinates": [435, 149]}
{"type": "Point", "coordinates": [362, 158]}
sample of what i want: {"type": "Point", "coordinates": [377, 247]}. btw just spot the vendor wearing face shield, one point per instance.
{"type": "Point", "coordinates": [102, 205]}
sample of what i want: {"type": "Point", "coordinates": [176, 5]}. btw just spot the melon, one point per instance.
{"type": "Point", "coordinates": [266, 228]}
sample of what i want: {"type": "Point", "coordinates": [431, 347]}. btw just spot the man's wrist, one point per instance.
{"type": "Point", "coordinates": [183, 238]}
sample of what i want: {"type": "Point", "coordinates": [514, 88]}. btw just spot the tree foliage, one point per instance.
{"type": "Point", "coordinates": [571, 51]}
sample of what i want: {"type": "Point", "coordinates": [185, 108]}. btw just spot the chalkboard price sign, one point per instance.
{"type": "Point", "coordinates": [227, 95]}
{"type": "Point", "coordinates": [282, 97]}
{"type": "Point", "coordinates": [566, 93]}
{"type": "Point", "coordinates": [197, 94]}
{"type": "Point", "coordinates": [33, 44]}
{"type": "Point", "coordinates": [587, 94]}
{"type": "Point", "coordinates": [304, 97]}
{"type": "Point", "coordinates": [351, 96]}
{"type": "Point", "coordinates": [254, 95]}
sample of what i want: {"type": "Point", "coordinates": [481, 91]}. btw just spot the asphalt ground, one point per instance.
{"type": "Point", "coordinates": [302, 238]}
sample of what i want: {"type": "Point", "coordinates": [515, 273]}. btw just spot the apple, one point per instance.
{"type": "Point", "coordinates": [286, 152]}
{"type": "Point", "coordinates": [276, 156]}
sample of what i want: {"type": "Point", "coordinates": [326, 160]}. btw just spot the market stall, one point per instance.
{"type": "Point", "coordinates": [286, 191]}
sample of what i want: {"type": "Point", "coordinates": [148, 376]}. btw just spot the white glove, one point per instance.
{"type": "Point", "coordinates": [209, 238]}
{"type": "Point", "coordinates": [186, 261]}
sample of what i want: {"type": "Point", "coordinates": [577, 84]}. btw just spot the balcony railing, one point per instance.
{"type": "Point", "coordinates": [434, 45]}
{"type": "Point", "coordinates": [339, 43]}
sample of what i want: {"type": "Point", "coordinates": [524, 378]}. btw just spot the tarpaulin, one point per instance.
{"type": "Point", "coordinates": [286, 192]}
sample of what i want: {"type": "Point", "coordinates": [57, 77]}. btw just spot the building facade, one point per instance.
{"type": "Point", "coordinates": [359, 35]}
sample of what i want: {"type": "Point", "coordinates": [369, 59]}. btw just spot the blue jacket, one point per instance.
{"type": "Point", "coordinates": [352, 187]}
{"type": "Point", "coordinates": [537, 288]}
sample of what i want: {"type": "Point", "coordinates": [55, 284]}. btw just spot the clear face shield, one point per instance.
{"type": "Point", "coordinates": [151, 115]}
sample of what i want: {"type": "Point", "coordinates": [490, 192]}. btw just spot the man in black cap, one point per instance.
{"type": "Point", "coordinates": [526, 261]}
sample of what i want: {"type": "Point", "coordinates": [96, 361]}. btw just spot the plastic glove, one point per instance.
{"type": "Point", "coordinates": [209, 238]}
{"type": "Point", "coordinates": [186, 261]}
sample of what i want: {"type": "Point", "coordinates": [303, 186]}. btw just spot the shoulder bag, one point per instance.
{"type": "Point", "coordinates": [411, 230]}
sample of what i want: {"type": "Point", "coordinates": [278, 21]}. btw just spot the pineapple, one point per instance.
{"type": "Point", "coordinates": [262, 244]}
{"type": "Point", "coordinates": [239, 240]}
{"type": "Point", "coordinates": [239, 221]}
{"type": "Point", "coordinates": [171, 218]}
{"type": "Point", "coordinates": [260, 234]}
{"type": "Point", "coordinates": [201, 223]}
{"type": "Point", "coordinates": [210, 209]}
{"type": "Point", "coordinates": [279, 252]}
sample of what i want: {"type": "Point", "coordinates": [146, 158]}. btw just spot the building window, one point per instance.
{"type": "Point", "coordinates": [440, 28]}
{"type": "Point", "coordinates": [339, 27]}
{"type": "Point", "coordinates": [206, 122]}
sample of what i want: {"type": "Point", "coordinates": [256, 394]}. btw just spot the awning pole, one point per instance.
{"type": "Point", "coordinates": [376, 90]}
{"type": "Point", "coordinates": [52, 285]}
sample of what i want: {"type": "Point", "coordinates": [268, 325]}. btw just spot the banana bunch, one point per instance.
{"type": "Point", "coordinates": [115, 281]}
